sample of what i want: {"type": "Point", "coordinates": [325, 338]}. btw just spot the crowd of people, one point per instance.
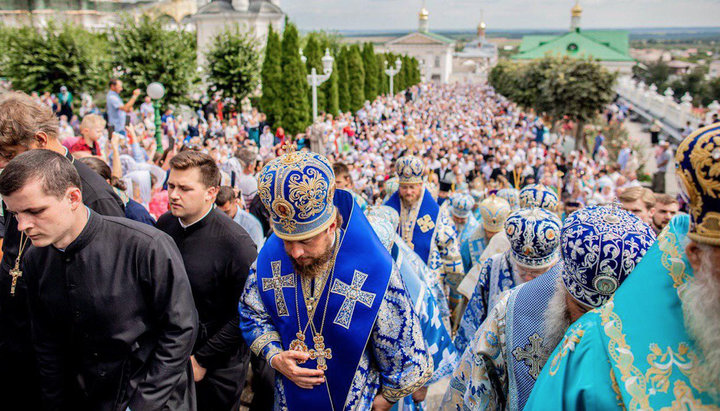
{"type": "Point", "coordinates": [439, 234]}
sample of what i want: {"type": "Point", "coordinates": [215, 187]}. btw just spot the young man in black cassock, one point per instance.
{"type": "Point", "coordinates": [112, 316]}
{"type": "Point", "coordinates": [26, 125]}
{"type": "Point", "coordinates": [217, 253]}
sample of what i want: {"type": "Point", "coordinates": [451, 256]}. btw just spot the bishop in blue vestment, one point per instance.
{"type": "Point", "coordinates": [656, 343]}
{"type": "Point", "coordinates": [325, 304]}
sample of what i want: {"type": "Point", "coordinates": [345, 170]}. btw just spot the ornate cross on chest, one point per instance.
{"type": "Point", "coordinates": [353, 294]}
{"type": "Point", "coordinates": [532, 354]}
{"type": "Point", "coordinates": [277, 283]}
{"type": "Point", "coordinates": [320, 353]}
{"type": "Point", "coordinates": [425, 223]}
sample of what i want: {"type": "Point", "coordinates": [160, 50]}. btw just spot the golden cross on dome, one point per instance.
{"type": "Point", "coordinates": [277, 283]}
{"type": "Point", "coordinates": [425, 223]}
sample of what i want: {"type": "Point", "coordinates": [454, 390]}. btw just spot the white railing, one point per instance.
{"type": "Point", "coordinates": [663, 106]}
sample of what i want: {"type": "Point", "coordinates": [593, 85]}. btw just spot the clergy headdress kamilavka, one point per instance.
{"type": "Point", "coordinates": [511, 196]}
{"type": "Point", "coordinates": [534, 235]}
{"type": "Point", "coordinates": [601, 245]}
{"type": "Point", "coordinates": [494, 211]}
{"type": "Point", "coordinates": [461, 205]}
{"type": "Point", "coordinates": [410, 170]}
{"type": "Point", "coordinates": [477, 195]}
{"type": "Point", "coordinates": [297, 189]}
{"type": "Point", "coordinates": [697, 163]}
{"type": "Point", "coordinates": [538, 195]}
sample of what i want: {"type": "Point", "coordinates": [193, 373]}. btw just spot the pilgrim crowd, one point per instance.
{"type": "Point", "coordinates": [441, 237]}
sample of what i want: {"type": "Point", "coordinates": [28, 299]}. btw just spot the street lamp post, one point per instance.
{"type": "Point", "coordinates": [315, 80]}
{"type": "Point", "coordinates": [156, 91]}
{"type": "Point", "coordinates": [392, 71]}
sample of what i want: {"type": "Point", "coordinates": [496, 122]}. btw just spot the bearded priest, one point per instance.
{"type": "Point", "coordinates": [656, 344]}
{"type": "Point", "coordinates": [325, 304]}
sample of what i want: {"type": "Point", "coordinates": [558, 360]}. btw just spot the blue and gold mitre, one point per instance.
{"type": "Point", "coordinates": [461, 205]}
{"type": "Point", "coordinates": [601, 245]}
{"type": "Point", "coordinates": [511, 196]}
{"type": "Point", "coordinates": [534, 235]}
{"type": "Point", "coordinates": [539, 195]}
{"type": "Point", "coordinates": [297, 189]}
{"type": "Point", "coordinates": [494, 211]}
{"type": "Point", "coordinates": [410, 170]}
{"type": "Point", "coordinates": [697, 164]}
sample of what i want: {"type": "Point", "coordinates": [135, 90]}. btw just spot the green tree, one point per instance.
{"type": "Point", "coordinates": [343, 80]}
{"type": "Point", "coordinates": [557, 87]}
{"type": "Point", "coordinates": [145, 52]}
{"type": "Point", "coordinates": [271, 77]}
{"type": "Point", "coordinates": [694, 83]}
{"type": "Point", "coordinates": [44, 60]}
{"type": "Point", "coordinates": [356, 75]}
{"type": "Point", "coordinates": [371, 69]}
{"type": "Point", "coordinates": [313, 53]}
{"type": "Point", "coordinates": [233, 63]}
{"type": "Point", "coordinates": [295, 117]}
{"type": "Point", "coordinates": [653, 73]}
{"type": "Point", "coordinates": [330, 90]}
{"type": "Point", "coordinates": [383, 80]}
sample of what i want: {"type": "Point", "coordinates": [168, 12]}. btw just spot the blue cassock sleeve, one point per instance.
{"type": "Point", "coordinates": [255, 323]}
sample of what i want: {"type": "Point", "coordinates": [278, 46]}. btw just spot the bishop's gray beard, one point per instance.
{"type": "Point", "coordinates": [556, 318]}
{"type": "Point", "coordinates": [701, 311]}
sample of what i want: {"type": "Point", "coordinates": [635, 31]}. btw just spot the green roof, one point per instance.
{"type": "Point", "coordinates": [438, 37]}
{"type": "Point", "coordinates": [600, 45]}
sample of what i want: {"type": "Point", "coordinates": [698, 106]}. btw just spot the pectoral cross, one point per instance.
{"type": "Point", "coordinates": [277, 283]}
{"type": "Point", "coordinates": [15, 273]}
{"type": "Point", "coordinates": [320, 353]}
{"type": "Point", "coordinates": [425, 223]}
{"type": "Point", "coordinates": [532, 354]}
{"type": "Point", "coordinates": [353, 294]}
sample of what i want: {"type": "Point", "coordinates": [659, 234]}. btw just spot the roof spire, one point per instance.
{"type": "Point", "coordinates": [575, 13]}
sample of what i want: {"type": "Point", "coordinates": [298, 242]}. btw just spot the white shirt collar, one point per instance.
{"type": "Point", "coordinates": [198, 220]}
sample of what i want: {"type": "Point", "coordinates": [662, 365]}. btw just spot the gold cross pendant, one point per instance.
{"type": "Point", "coordinates": [15, 273]}
{"type": "Point", "coordinates": [298, 344]}
{"type": "Point", "coordinates": [320, 353]}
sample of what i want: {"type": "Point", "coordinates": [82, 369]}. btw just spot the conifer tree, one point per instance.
{"type": "Point", "coordinates": [295, 113]}
{"type": "Point", "coordinates": [371, 68]}
{"type": "Point", "coordinates": [356, 74]}
{"type": "Point", "coordinates": [313, 52]}
{"type": "Point", "coordinates": [382, 79]}
{"type": "Point", "coordinates": [330, 91]}
{"type": "Point", "coordinates": [343, 80]}
{"type": "Point", "coordinates": [271, 75]}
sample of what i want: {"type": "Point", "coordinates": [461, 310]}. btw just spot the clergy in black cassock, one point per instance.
{"type": "Point", "coordinates": [113, 320]}
{"type": "Point", "coordinates": [217, 253]}
{"type": "Point", "coordinates": [24, 125]}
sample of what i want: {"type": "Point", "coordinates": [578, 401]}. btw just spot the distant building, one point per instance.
{"type": "Point", "coordinates": [432, 50]}
{"type": "Point", "coordinates": [609, 47]}
{"type": "Point", "coordinates": [476, 58]}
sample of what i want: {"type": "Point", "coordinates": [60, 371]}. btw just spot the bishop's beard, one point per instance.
{"type": "Point", "coordinates": [701, 311]}
{"type": "Point", "coordinates": [556, 318]}
{"type": "Point", "coordinates": [316, 267]}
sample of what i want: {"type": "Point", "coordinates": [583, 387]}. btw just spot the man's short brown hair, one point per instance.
{"type": "Point", "coordinates": [340, 169]}
{"type": "Point", "coordinates": [209, 171]}
{"type": "Point", "coordinates": [21, 118]}
{"type": "Point", "coordinates": [631, 194]}
{"type": "Point", "coordinates": [664, 199]}
{"type": "Point", "coordinates": [225, 195]}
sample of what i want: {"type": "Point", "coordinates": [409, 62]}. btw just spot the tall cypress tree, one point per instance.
{"type": "Point", "coordinates": [371, 68]}
{"type": "Point", "coordinates": [295, 117]}
{"type": "Point", "coordinates": [271, 77]}
{"type": "Point", "coordinates": [343, 80]}
{"type": "Point", "coordinates": [382, 81]}
{"type": "Point", "coordinates": [330, 90]}
{"type": "Point", "coordinates": [313, 52]}
{"type": "Point", "coordinates": [356, 74]}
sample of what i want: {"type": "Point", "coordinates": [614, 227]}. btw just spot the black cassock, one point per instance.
{"type": "Point", "coordinates": [19, 386]}
{"type": "Point", "coordinates": [113, 319]}
{"type": "Point", "coordinates": [218, 254]}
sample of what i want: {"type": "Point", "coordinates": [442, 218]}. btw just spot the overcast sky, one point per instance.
{"type": "Point", "coordinates": [499, 14]}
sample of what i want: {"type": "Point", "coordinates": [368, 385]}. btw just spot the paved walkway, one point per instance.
{"type": "Point", "coordinates": [646, 156]}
